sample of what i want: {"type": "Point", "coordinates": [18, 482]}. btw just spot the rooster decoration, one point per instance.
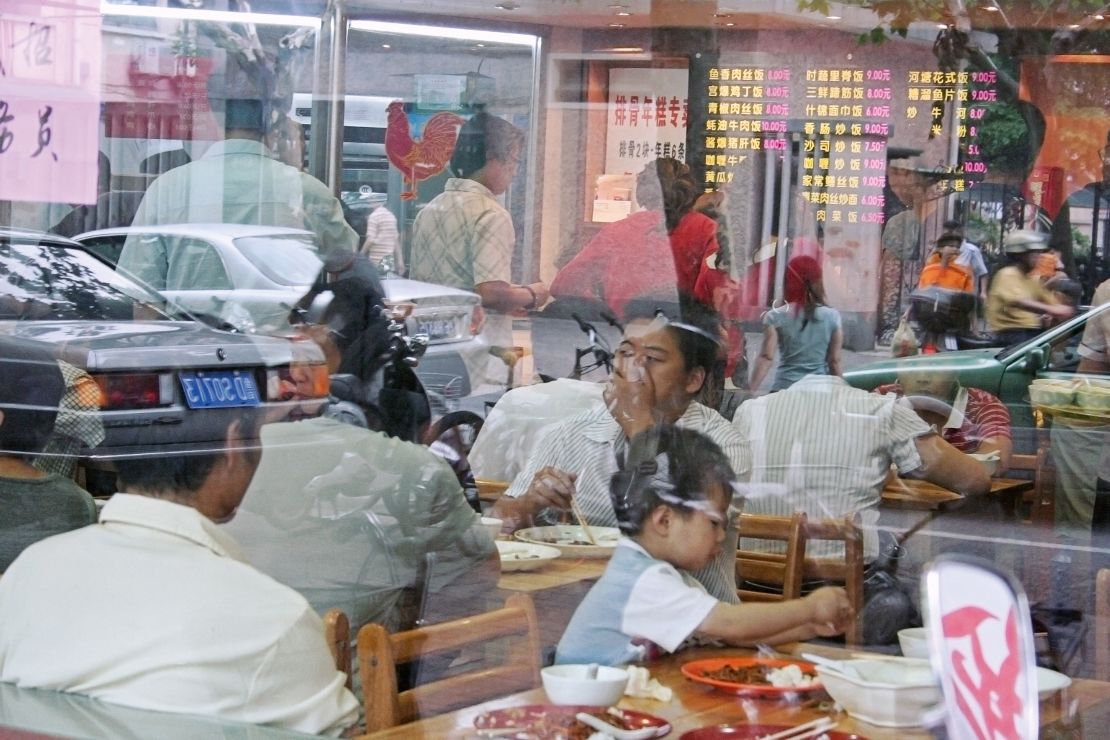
{"type": "Point", "coordinates": [419, 159]}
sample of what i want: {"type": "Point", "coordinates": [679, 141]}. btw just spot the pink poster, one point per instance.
{"type": "Point", "coordinates": [49, 100]}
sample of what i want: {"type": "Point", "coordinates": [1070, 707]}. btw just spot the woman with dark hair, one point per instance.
{"type": "Point", "coordinates": [807, 330]}
{"type": "Point", "coordinates": [658, 251]}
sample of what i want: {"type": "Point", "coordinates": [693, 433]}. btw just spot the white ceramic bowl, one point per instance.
{"type": "Point", "coordinates": [914, 642]}
{"type": "Point", "coordinates": [567, 684]}
{"type": "Point", "coordinates": [493, 526]}
{"type": "Point", "coordinates": [889, 693]}
{"type": "Point", "coordinates": [523, 556]}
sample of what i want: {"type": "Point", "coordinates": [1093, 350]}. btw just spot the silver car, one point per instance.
{"type": "Point", "coordinates": [255, 274]}
{"type": "Point", "coordinates": [161, 381]}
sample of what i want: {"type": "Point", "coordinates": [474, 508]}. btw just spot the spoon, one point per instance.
{"type": "Point", "coordinates": [602, 726]}
{"type": "Point", "coordinates": [842, 667]}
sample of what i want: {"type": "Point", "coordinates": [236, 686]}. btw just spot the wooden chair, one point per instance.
{"type": "Point", "coordinates": [337, 633]}
{"type": "Point", "coordinates": [1102, 625]}
{"type": "Point", "coordinates": [379, 654]}
{"type": "Point", "coordinates": [847, 570]}
{"type": "Point", "coordinates": [1041, 501]}
{"type": "Point", "coordinates": [783, 570]}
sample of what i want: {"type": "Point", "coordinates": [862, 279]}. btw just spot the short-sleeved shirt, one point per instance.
{"type": "Point", "coordinates": [639, 604]}
{"type": "Point", "coordinates": [464, 237]}
{"type": "Point", "coordinates": [824, 448]}
{"type": "Point", "coordinates": [952, 277]}
{"type": "Point", "coordinates": [381, 234]}
{"type": "Point", "coordinates": [971, 257]}
{"type": "Point", "coordinates": [1010, 285]}
{"type": "Point", "coordinates": [237, 181]}
{"type": "Point", "coordinates": [803, 346]}
{"type": "Point", "coordinates": [32, 509]}
{"type": "Point", "coordinates": [585, 444]}
{"type": "Point", "coordinates": [976, 415]}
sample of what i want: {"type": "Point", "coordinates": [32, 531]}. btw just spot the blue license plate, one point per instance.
{"type": "Point", "coordinates": [219, 389]}
{"type": "Point", "coordinates": [437, 328]}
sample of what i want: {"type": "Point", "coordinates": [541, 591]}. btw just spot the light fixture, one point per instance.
{"type": "Point", "coordinates": [942, 26]}
{"type": "Point", "coordinates": [616, 25]}
{"type": "Point", "coordinates": [508, 5]}
{"type": "Point", "coordinates": [479, 44]}
{"type": "Point", "coordinates": [1099, 17]}
{"type": "Point", "coordinates": [202, 14]}
{"type": "Point", "coordinates": [386, 46]}
{"type": "Point", "coordinates": [624, 49]}
{"type": "Point", "coordinates": [1075, 26]}
{"type": "Point", "coordinates": [990, 8]}
{"type": "Point", "coordinates": [832, 17]}
{"type": "Point", "coordinates": [623, 13]}
{"type": "Point", "coordinates": [444, 32]}
{"type": "Point", "coordinates": [730, 24]}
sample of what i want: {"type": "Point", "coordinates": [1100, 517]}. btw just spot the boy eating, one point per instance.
{"type": "Point", "coordinates": [673, 508]}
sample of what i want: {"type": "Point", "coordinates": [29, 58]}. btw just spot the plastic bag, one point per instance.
{"type": "Point", "coordinates": [904, 342]}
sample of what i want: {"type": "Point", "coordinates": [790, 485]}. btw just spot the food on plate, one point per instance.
{"type": "Point", "coordinates": [557, 723]}
{"type": "Point", "coordinates": [788, 676]}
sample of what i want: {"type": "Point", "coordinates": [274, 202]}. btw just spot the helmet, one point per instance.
{"type": "Point", "coordinates": [1025, 240]}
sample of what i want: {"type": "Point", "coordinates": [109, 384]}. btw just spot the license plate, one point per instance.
{"type": "Point", "coordinates": [219, 389]}
{"type": "Point", "coordinates": [437, 328]}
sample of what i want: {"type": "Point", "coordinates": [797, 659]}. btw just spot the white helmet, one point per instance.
{"type": "Point", "coordinates": [1025, 240]}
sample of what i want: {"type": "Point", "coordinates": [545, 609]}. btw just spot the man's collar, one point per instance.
{"type": "Point", "coordinates": [602, 427]}
{"type": "Point", "coordinates": [171, 518]}
{"type": "Point", "coordinates": [469, 186]}
{"type": "Point", "coordinates": [817, 379]}
{"type": "Point", "coordinates": [238, 146]}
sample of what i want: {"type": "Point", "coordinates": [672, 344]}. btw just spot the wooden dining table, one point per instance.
{"type": "Point", "coordinates": [909, 493]}
{"type": "Point", "coordinates": [695, 705]}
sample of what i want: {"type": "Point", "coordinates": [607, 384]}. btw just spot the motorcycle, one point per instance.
{"type": "Point", "coordinates": [944, 319]}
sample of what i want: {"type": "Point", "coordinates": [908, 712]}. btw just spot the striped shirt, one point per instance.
{"type": "Point", "coordinates": [824, 448]}
{"type": "Point", "coordinates": [976, 415]}
{"type": "Point", "coordinates": [584, 444]}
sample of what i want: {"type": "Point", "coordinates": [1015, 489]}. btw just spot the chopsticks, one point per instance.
{"type": "Point", "coordinates": [816, 727]}
{"type": "Point", "coordinates": [582, 521]}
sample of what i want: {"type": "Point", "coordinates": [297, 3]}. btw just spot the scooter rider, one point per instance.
{"type": "Point", "coordinates": [1018, 304]}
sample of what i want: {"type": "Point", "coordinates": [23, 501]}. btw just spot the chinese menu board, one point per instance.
{"type": "Point", "coordinates": [49, 100]}
{"type": "Point", "coordinates": [840, 118]}
{"type": "Point", "coordinates": [646, 117]}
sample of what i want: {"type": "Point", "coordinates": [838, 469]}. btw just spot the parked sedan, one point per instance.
{"type": "Point", "coordinates": [254, 274]}
{"type": "Point", "coordinates": [1006, 373]}
{"type": "Point", "coordinates": [162, 381]}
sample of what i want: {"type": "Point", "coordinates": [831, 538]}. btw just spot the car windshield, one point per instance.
{"type": "Point", "coordinates": [53, 281]}
{"type": "Point", "coordinates": [287, 259]}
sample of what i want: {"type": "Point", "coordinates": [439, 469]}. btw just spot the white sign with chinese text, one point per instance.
{"type": "Point", "coordinates": [49, 100]}
{"type": "Point", "coordinates": [647, 116]}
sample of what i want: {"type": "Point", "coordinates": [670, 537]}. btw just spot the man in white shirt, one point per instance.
{"type": "Point", "coordinates": [155, 608]}
{"type": "Point", "coordinates": [660, 366]}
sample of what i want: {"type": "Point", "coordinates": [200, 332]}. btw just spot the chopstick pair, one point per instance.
{"type": "Point", "coordinates": [813, 728]}
{"type": "Point", "coordinates": [582, 521]}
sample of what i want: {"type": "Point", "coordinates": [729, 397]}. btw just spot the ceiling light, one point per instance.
{"type": "Point", "coordinates": [832, 17]}
{"type": "Point", "coordinates": [479, 44]}
{"type": "Point", "coordinates": [508, 5]}
{"type": "Point", "coordinates": [445, 32]}
{"type": "Point", "coordinates": [1098, 16]}
{"type": "Point", "coordinates": [624, 49]}
{"type": "Point", "coordinates": [199, 14]}
{"type": "Point", "coordinates": [616, 25]}
{"type": "Point", "coordinates": [623, 12]}
{"type": "Point", "coordinates": [942, 26]}
{"type": "Point", "coordinates": [1075, 26]}
{"type": "Point", "coordinates": [730, 24]}
{"type": "Point", "coordinates": [990, 8]}
{"type": "Point", "coordinates": [386, 46]}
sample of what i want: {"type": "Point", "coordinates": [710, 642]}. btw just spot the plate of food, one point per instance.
{"type": "Point", "coordinates": [760, 677]}
{"type": "Point", "coordinates": [524, 556]}
{"type": "Point", "coordinates": [560, 722]}
{"type": "Point", "coordinates": [754, 732]}
{"type": "Point", "coordinates": [571, 539]}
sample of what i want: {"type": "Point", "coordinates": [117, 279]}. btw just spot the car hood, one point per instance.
{"type": "Point", "coordinates": [402, 289]}
{"type": "Point", "coordinates": [113, 345]}
{"type": "Point", "coordinates": [885, 371]}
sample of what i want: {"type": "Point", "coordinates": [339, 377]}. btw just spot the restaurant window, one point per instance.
{"type": "Point", "coordinates": [453, 223]}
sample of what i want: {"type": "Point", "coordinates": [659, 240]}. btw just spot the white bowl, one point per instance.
{"type": "Point", "coordinates": [889, 693]}
{"type": "Point", "coordinates": [1050, 682]}
{"type": "Point", "coordinates": [493, 526]}
{"type": "Point", "coordinates": [567, 684]}
{"type": "Point", "coordinates": [523, 556]}
{"type": "Point", "coordinates": [914, 642]}
{"type": "Point", "coordinates": [989, 460]}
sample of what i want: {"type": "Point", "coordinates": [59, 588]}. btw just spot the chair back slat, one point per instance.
{"type": "Point", "coordinates": [784, 570]}
{"type": "Point", "coordinates": [379, 654]}
{"type": "Point", "coordinates": [847, 570]}
{"type": "Point", "coordinates": [337, 633]}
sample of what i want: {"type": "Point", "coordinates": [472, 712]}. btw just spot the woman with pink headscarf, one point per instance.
{"type": "Point", "coordinates": [805, 330]}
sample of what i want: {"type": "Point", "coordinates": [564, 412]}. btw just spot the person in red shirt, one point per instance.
{"type": "Point", "coordinates": [969, 419]}
{"type": "Point", "coordinates": [656, 252]}
{"type": "Point", "coordinates": [942, 271]}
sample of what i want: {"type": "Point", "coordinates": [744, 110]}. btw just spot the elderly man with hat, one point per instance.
{"type": "Point", "coordinates": [1018, 303]}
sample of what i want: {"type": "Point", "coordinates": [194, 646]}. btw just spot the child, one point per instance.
{"type": "Point", "coordinates": [674, 507]}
